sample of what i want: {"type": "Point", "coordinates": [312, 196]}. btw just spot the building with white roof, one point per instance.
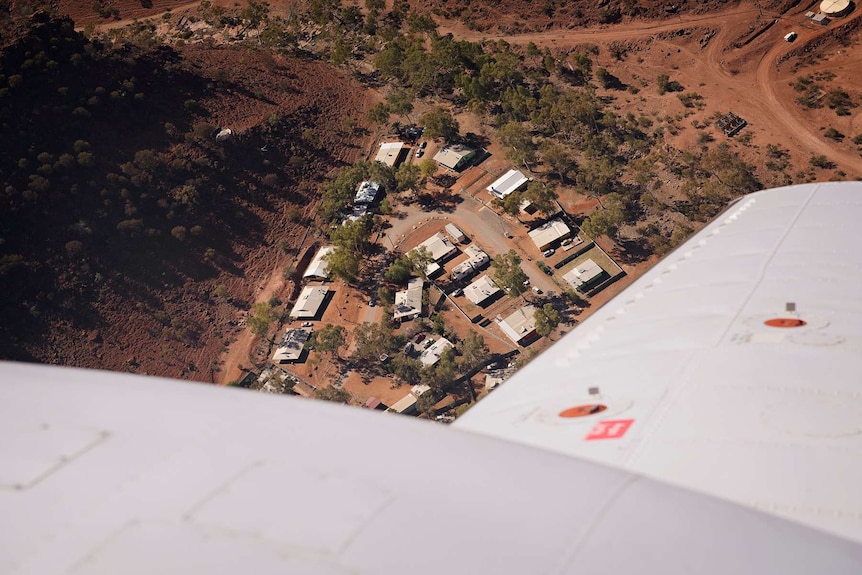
{"type": "Point", "coordinates": [477, 260]}
{"type": "Point", "coordinates": [511, 181]}
{"type": "Point", "coordinates": [454, 157]}
{"type": "Point", "coordinates": [482, 290]}
{"type": "Point", "coordinates": [432, 355]}
{"type": "Point", "coordinates": [367, 192]}
{"type": "Point", "coordinates": [389, 153]}
{"type": "Point", "coordinates": [548, 233]}
{"type": "Point", "coordinates": [440, 248]}
{"type": "Point", "coordinates": [520, 327]}
{"type": "Point", "coordinates": [583, 274]}
{"type": "Point", "coordinates": [359, 211]}
{"type": "Point", "coordinates": [318, 268]}
{"type": "Point", "coordinates": [408, 303]}
{"type": "Point", "coordinates": [407, 404]}
{"type": "Point", "coordinates": [292, 345]}
{"type": "Point", "coordinates": [456, 233]}
{"type": "Point", "coordinates": [309, 303]}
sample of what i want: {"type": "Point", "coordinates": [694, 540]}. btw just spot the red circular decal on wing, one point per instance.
{"type": "Point", "coordinates": [583, 410]}
{"type": "Point", "coordinates": [784, 322]}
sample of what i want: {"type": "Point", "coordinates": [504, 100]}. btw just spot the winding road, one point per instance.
{"type": "Point", "coordinates": [752, 93]}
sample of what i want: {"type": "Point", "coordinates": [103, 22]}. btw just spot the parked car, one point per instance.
{"type": "Point", "coordinates": [537, 290]}
{"type": "Point", "coordinates": [790, 37]}
{"type": "Point", "coordinates": [566, 242]}
{"type": "Point", "coordinates": [419, 152]}
{"type": "Point", "coordinates": [458, 292]}
{"type": "Point", "coordinates": [527, 282]}
{"type": "Point", "coordinates": [549, 252]}
{"type": "Point", "coordinates": [307, 324]}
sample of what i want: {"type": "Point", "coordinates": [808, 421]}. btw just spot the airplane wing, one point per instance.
{"type": "Point", "coordinates": [732, 368]}
{"type": "Point", "coordinates": [104, 473]}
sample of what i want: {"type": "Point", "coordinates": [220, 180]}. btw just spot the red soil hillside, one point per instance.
{"type": "Point", "coordinates": [131, 239]}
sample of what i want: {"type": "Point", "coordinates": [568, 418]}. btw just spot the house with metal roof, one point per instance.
{"type": "Point", "coordinates": [318, 268]}
{"type": "Point", "coordinates": [520, 327]}
{"type": "Point", "coordinates": [310, 302]}
{"type": "Point", "coordinates": [292, 346]}
{"type": "Point", "coordinates": [367, 192]}
{"type": "Point", "coordinates": [390, 153]}
{"type": "Point", "coordinates": [407, 404]}
{"type": "Point", "coordinates": [545, 235]}
{"type": "Point", "coordinates": [477, 260]}
{"type": "Point", "coordinates": [456, 233]}
{"type": "Point", "coordinates": [440, 248]}
{"type": "Point", "coordinates": [482, 291]}
{"type": "Point", "coordinates": [584, 274]}
{"type": "Point", "coordinates": [432, 354]}
{"type": "Point", "coordinates": [454, 157]}
{"type": "Point", "coordinates": [511, 181]}
{"type": "Point", "coordinates": [408, 303]}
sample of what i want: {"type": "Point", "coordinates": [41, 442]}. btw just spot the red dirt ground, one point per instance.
{"type": "Point", "coordinates": [711, 48]}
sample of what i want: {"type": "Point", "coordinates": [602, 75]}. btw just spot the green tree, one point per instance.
{"type": "Point", "coordinates": [400, 103]}
{"type": "Point", "coordinates": [372, 341]}
{"type": "Point", "coordinates": [427, 168]}
{"type": "Point", "coordinates": [547, 318]}
{"type": "Point", "coordinates": [385, 295]}
{"type": "Point", "coordinates": [557, 157]}
{"type": "Point", "coordinates": [344, 263]}
{"type": "Point", "coordinates": [260, 318]}
{"type": "Point", "coordinates": [508, 273]}
{"type": "Point", "coordinates": [379, 113]}
{"type": "Point", "coordinates": [542, 196]}
{"type": "Point", "coordinates": [407, 177]}
{"type": "Point", "coordinates": [440, 375]}
{"type": "Point", "coordinates": [352, 235]}
{"type": "Point", "coordinates": [518, 142]}
{"type": "Point", "coordinates": [512, 203]}
{"type": "Point", "coordinates": [607, 219]}
{"type": "Point", "coordinates": [419, 259]}
{"type": "Point", "coordinates": [474, 352]}
{"type": "Point", "coordinates": [334, 394]}
{"type": "Point", "coordinates": [439, 123]}
{"type": "Point", "coordinates": [330, 338]}
{"type": "Point", "coordinates": [400, 271]}
{"type": "Point", "coordinates": [408, 369]}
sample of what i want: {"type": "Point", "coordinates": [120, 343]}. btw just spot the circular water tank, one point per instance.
{"type": "Point", "coordinates": [833, 7]}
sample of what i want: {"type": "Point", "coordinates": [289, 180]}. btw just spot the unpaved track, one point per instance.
{"type": "Point", "coordinates": [750, 93]}
{"type": "Point", "coordinates": [238, 351]}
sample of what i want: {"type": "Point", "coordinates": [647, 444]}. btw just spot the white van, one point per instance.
{"type": "Point", "coordinates": [790, 36]}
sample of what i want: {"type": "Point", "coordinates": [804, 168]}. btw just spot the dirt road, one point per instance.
{"type": "Point", "coordinates": [749, 91]}
{"type": "Point", "coordinates": [238, 351]}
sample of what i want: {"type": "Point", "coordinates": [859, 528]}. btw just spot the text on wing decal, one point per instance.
{"type": "Point", "coordinates": [612, 429]}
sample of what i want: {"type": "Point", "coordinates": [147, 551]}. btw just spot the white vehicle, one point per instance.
{"type": "Point", "coordinates": [549, 252]}
{"type": "Point", "coordinates": [790, 36]}
{"type": "Point", "coordinates": [537, 290]}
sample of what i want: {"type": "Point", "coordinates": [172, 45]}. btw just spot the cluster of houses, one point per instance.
{"type": "Point", "coordinates": [482, 291]}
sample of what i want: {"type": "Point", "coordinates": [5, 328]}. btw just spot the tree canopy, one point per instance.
{"type": "Point", "coordinates": [508, 273]}
{"type": "Point", "coordinates": [260, 318]}
{"type": "Point", "coordinates": [439, 123]}
{"type": "Point", "coordinates": [330, 338]}
{"type": "Point", "coordinates": [547, 318]}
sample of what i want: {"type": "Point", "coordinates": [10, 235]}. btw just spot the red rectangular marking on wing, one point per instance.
{"type": "Point", "coordinates": [612, 429]}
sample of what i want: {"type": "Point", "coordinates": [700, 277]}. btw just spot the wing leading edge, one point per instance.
{"type": "Point", "coordinates": [731, 368]}
{"type": "Point", "coordinates": [111, 473]}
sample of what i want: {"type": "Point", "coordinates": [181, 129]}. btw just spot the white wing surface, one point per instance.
{"type": "Point", "coordinates": [733, 367]}
{"type": "Point", "coordinates": [107, 473]}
